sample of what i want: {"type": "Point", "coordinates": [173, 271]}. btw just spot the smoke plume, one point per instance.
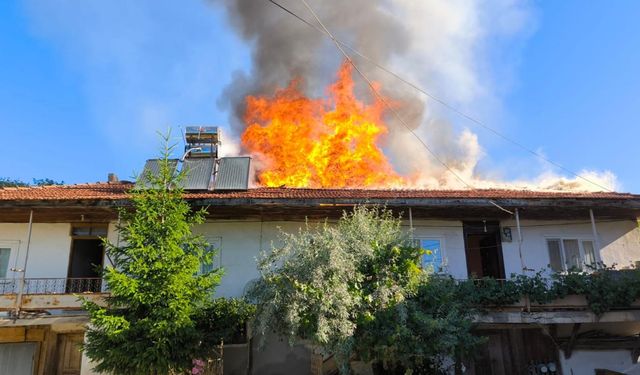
{"type": "Point", "coordinates": [443, 45]}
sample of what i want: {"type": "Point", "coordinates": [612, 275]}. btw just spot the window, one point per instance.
{"type": "Point", "coordinates": [214, 246]}
{"type": "Point", "coordinates": [589, 253]}
{"type": "Point", "coordinates": [89, 230]}
{"type": "Point", "coordinates": [570, 253]}
{"type": "Point", "coordinates": [5, 253]}
{"type": "Point", "coordinates": [434, 258]}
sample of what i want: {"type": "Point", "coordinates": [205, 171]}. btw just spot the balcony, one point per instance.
{"type": "Point", "coordinates": [504, 304]}
{"type": "Point", "coordinates": [49, 293]}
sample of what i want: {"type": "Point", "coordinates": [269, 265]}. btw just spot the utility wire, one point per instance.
{"type": "Point", "coordinates": [382, 98]}
{"type": "Point", "coordinates": [438, 100]}
{"type": "Point", "coordinates": [391, 108]}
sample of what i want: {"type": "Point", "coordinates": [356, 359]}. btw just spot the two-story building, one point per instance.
{"type": "Point", "coordinates": [50, 246]}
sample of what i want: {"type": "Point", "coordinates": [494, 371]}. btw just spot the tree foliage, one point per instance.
{"type": "Point", "coordinates": [149, 325]}
{"type": "Point", "coordinates": [11, 182]}
{"type": "Point", "coordinates": [224, 320]}
{"type": "Point", "coordinates": [355, 290]}
{"type": "Point", "coordinates": [604, 288]}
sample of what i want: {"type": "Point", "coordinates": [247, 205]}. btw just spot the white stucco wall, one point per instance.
{"type": "Point", "coordinates": [240, 244]}
{"type": "Point", "coordinates": [242, 241]}
{"type": "Point", "coordinates": [48, 251]}
{"type": "Point", "coordinates": [620, 241]}
{"type": "Point", "coordinates": [49, 248]}
{"type": "Point", "coordinates": [452, 242]}
{"type": "Point", "coordinates": [586, 361]}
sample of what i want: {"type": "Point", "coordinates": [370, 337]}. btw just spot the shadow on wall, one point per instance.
{"type": "Point", "coordinates": [277, 357]}
{"type": "Point", "coordinates": [620, 243]}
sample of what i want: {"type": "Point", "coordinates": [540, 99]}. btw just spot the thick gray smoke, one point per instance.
{"type": "Point", "coordinates": [439, 44]}
{"type": "Point", "coordinates": [284, 48]}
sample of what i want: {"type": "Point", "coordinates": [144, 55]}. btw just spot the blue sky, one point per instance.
{"type": "Point", "coordinates": [84, 88]}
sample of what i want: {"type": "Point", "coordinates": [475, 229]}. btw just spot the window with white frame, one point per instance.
{"type": "Point", "coordinates": [571, 253]}
{"type": "Point", "coordinates": [5, 254]}
{"type": "Point", "coordinates": [433, 258]}
{"type": "Point", "coordinates": [214, 246]}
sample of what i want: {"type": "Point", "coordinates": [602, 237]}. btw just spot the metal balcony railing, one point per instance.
{"type": "Point", "coordinates": [52, 285]}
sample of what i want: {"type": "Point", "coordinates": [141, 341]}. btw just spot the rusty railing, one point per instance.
{"type": "Point", "coordinates": [52, 285]}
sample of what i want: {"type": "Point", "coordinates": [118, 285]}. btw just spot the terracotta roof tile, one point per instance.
{"type": "Point", "coordinates": [115, 191]}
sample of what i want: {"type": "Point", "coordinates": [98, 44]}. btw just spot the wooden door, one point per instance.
{"type": "Point", "coordinates": [69, 355]}
{"type": "Point", "coordinates": [483, 249]}
{"type": "Point", "coordinates": [515, 352]}
{"type": "Point", "coordinates": [18, 358]}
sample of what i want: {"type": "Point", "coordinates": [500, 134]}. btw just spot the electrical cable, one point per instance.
{"type": "Point", "coordinates": [390, 107]}
{"type": "Point", "coordinates": [440, 101]}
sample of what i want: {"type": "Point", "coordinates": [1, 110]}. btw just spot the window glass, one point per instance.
{"type": "Point", "coordinates": [433, 258]}
{"type": "Point", "coordinates": [589, 253]}
{"type": "Point", "coordinates": [5, 253]}
{"type": "Point", "coordinates": [572, 254]}
{"type": "Point", "coordinates": [214, 246]}
{"type": "Point", "coordinates": [81, 231]}
{"type": "Point", "coordinates": [555, 258]}
{"type": "Point", "coordinates": [89, 230]}
{"type": "Point", "coordinates": [99, 231]}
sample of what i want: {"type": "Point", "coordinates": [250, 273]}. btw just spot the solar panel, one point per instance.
{"type": "Point", "coordinates": [152, 168]}
{"type": "Point", "coordinates": [233, 173]}
{"type": "Point", "coordinates": [197, 173]}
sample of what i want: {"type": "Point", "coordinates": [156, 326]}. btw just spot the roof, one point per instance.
{"type": "Point", "coordinates": [117, 191]}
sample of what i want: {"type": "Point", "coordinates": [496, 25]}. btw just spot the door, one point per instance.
{"type": "Point", "coordinates": [516, 352]}
{"type": "Point", "coordinates": [69, 357]}
{"type": "Point", "coordinates": [18, 359]}
{"type": "Point", "coordinates": [483, 249]}
{"type": "Point", "coordinates": [85, 264]}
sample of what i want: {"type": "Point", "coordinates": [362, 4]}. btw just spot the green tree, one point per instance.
{"type": "Point", "coordinates": [149, 324]}
{"type": "Point", "coordinates": [355, 290]}
{"type": "Point", "coordinates": [10, 182]}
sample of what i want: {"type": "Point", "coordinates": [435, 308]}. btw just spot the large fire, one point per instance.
{"type": "Point", "coordinates": [317, 143]}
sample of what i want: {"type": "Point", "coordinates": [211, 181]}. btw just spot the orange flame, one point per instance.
{"type": "Point", "coordinates": [318, 143]}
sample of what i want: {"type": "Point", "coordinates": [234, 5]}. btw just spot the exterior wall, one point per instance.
{"type": "Point", "coordinates": [586, 361]}
{"type": "Point", "coordinates": [242, 241]}
{"type": "Point", "coordinates": [48, 251]}
{"type": "Point", "coordinates": [620, 242]}
{"type": "Point", "coordinates": [240, 244]}
{"type": "Point", "coordinates": [452, 241]}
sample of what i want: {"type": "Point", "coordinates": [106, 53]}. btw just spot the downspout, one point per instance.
{"type": "Point", "coordinates": [595, 235]}
{"type": "Point", "coordinates": [411, 223]}
{"type": "Point", "coordinates": [527, 301]}
{"type": "Point", "coordinates": [524, 268]}
{"type": "Point", "coordinates": [24, 269]}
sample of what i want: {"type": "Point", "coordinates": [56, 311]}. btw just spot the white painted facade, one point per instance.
{"type": "Point", "coordinates": [241, 242]}
{"type": "Point", "coordinates": [586, 361]}
{"type": "Point", "coordinates": [49, 248]}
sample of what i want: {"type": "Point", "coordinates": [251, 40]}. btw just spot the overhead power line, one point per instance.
{"type": "Point", "coordinates": [390, 107]}
{"type": "Point", "coordinates": [382, 98]}
{"type": "Point", "coordinates": [437, 99]}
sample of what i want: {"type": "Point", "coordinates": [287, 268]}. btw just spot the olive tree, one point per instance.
{"type": "Point", "coordinates": [355, 290]}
